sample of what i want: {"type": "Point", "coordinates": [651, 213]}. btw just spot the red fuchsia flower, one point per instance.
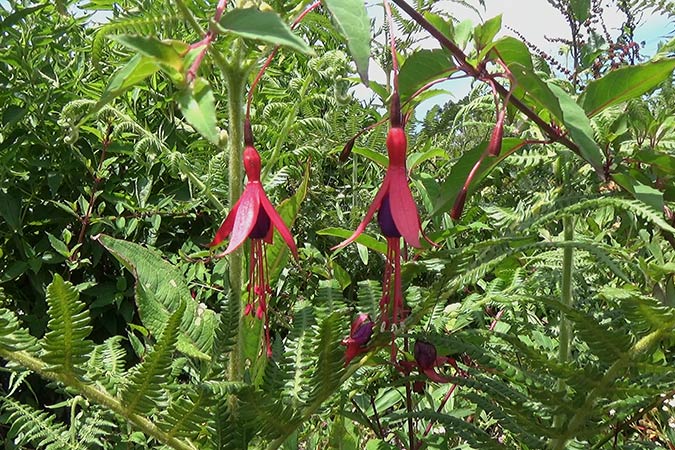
{"type": "Point", "coordinates": [397, 217]}
{"type": "Point", "coordinates": [253, 217]}
{"type": "Point", "coordinates": [359, 336]}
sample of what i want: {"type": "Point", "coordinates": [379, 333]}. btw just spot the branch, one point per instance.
{"type": "Point", "coordinates": [464, 65]}
{"type": "Point", "coordinates": [96, 395]}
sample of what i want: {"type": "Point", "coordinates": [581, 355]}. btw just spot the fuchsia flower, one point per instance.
{"type": "Point", "coordinates": [426, 361]}
{"type": "Point", "coordinates": [397, 217]}
{"type": "Point", "coordinates": [254, 217]}
{"type": "Point", "coordinates": [356, 343]}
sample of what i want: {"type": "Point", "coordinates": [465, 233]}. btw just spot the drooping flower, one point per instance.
{"type": "Point", "coordinates": [359, 336]}
{"type": "Point", "coordinates": [426, 361]}
{"type": "Point", "coordinates": [397, 217]}
{"type": "Point", "coordinates": [253, 217]}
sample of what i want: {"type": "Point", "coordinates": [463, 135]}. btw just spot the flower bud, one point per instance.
{"type": "Point", "coordinates": [458, 207]}
{"type": "Point", "coordinates": [495, 145]}
{"type": "Point", "coordinates": [425, 355]}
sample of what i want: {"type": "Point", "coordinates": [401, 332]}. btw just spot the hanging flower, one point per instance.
{"type": "Point", "coordinates": [254, 217]}
{"type": "Point", "coordinates": [426, 362]}
{"type": "Point", "coordinates": [359, 336]}
{"type": "Point", "coordinates": [397, 217]}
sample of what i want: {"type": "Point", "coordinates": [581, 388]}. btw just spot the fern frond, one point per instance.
{"type": "Point", "coordinates": [279, 178]}
{"type": "Point", "coordinates": [636, 207]}
{"type": "Point", "coordinates": [65, 344]}
{"type": "Point", "coordinates": [226, 332]}
{"type": "Point", "coordinates": [312, 125]}
{"type": "Point", "coordinates": [13, 337]}
{"type": "Point", "coordinates": [94, 429]}
{"type": "Point", "coordinates": [107, 363]}
{"type": "Point", "coordinates": [606, 344]}
{"type": "Point", "coordinates": [38, 427]}
{"type": "Point", "coordinates": [467, 432]}
{"type": "Point", "coordinates": [298, 355]}
{"type": "Point", "coordinates": [267, 414]}
{"type": "Point", "coordinates": [227, 431]}
{"type": "Point", "coordinates": [369, 295]}
{"type": "Point", "coordinates": [187, 415]}
{"type": "Point", "coordinates": [520, 426]}
{"type": "Point", "coordinates": [329, 299]}
{"type": "Point", "coordinates": [329, 365]}
{"type": "Point", "coordinates": [146, 388]}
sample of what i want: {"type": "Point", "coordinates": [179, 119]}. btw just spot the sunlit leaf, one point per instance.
{"type": "Point", "coordinates": [199, 109]}
{"type": "Point", "coordinates": [422, 67]}
{"type": "Point", "coordinates": [264, 26]}
{"type": "Point", "coordinates": [624, 84]}
{"type": "Point", "coordinates": [353, 22]}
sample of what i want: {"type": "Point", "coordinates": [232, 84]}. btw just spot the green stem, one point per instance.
{"type": "Point", "coordinates": [199, 184]}
{"type": "Point", "coordinates": [236, 84]}
{"type": "Point", "coordinates": [96, 395]}
{"type": "Point", "coordinates": [566, 332]}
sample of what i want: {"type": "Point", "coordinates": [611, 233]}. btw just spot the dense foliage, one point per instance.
{"type": "Point", "coordinates": [542, 315]}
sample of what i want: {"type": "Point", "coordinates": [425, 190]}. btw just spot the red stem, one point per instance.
{"type": "Point", "coordinates": [206, 42]}
{"type": "Point", "coordinates": [92, 197]}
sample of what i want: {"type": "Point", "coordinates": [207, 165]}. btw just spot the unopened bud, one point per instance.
{"type": "Point", "coordinates": [495, 145]}
{"type": "Point", "coordinates": [458, 207]}
{"type": "Point", "coordinates": [347, 149]}
{"type": "Point", "coordinates": [425, 355]}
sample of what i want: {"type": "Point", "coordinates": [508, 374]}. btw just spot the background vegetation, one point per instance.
{"type": "Point", "coordinates": [553, 290]}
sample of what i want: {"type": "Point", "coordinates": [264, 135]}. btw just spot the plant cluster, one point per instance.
{"type": "Point", "coordinates": [520, 292]}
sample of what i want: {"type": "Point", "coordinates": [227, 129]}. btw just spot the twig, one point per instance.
{"type": "Point", "coordinates": [86, 219]}
{"type": "Point", "coordinates": [464, 65]}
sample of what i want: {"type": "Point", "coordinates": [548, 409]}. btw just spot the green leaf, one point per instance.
{"type": "Point", "coordinates": [169, 54]}
{"type": "Point", "coordinates": [581, 9]}
{"type": "Point", "coordinates": [145, 390]}
{"type": "Point", "coordinates": [58, 245]}
{"type": "Point", "coordinates": [19, 15]}
{"type": "Point", "coordinates": [463, 33]}
{"type": "Point", "coordinates": [422, 67]}
{"type": "Point", "coordinates": [531, 89]}
{"type": "Point", "coordinates": [364, 239]}
{"type": "Point", "coordinates": [377, 158]}
{"type": "Point", "coordinates": [198, 106]}
{"type": "Point", "coordinates": [136, 70]}
{"type": "Point", "coordinates": [624, 84]}
{"type": "Point", "coordinates": [264, 26]}
{"type": "Point", "coordinates": [10, 210]}
{"type": "Point", "coordinates": [418, 158]}
{"type": "Point", "coordinates": [463, 166]}
{"type": "Point", "coordinates": [513, 51]}
{"type": "Point", "coordinates": [485, 33]}
{"type": "Point", "coordinates": [160, 290]}
{"type": "Point", "coordinates": [352, 20]}
{"type": "Point", "coordinates": [663, 162]}
{"type": "Point", "coordinates": [65, 344]}
{"type": "Point", "coordinates": [579, 128]}
{"type": "Point", "coordinates": [441, 24]}
{"type": "Point", "coordinates": [646, 194]}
